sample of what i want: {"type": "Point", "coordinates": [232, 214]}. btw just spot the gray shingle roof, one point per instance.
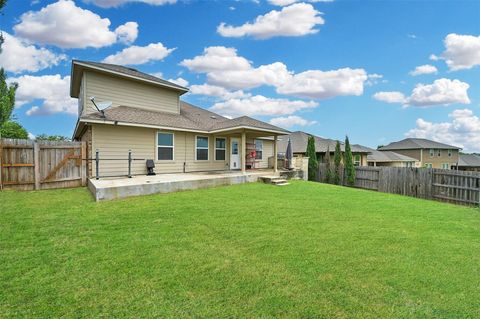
{"type": "Point", "coordinates": [190, 118]}
{"type": "Point", "coordinates": [388, 156]}
{"type": "Point", "coordinates": [469, 160]}
{"type": "Point", "coordinates": [130, 72]}
{"type": "Point", "coordinates": [416, 143]}
{"type": "Point", "coordinates": [299, 142]}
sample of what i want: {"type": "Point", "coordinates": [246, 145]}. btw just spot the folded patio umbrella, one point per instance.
{"type": "Point", "coordinates": [289, 155]}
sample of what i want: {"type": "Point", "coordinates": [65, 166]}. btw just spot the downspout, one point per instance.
{"type": "Point", "coordinates": [185, 154]}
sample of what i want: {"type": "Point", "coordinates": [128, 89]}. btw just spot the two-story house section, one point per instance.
{"type": "Point", "coordinates": [122, 109]}
{"type": "Point", "coordinates": [430, 154]}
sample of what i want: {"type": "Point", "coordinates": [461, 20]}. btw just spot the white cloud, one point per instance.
{"type": "Point", "coordinates": [118, 3]}
{"type": "Point", "coordinates": [462, 131]}
{"type": "Point", "coordinates": [51, 90]}
{"type": "Point", "coordinates": [31, 136]}
{"type": "Point", "coordinates": [461, 51]}
{"type": "Point", "coordinates": [217, 91]}
{"type": "Point", "coordinates": [283, 3]}
{"type": "Point", "coordinates": [135, 55]}
{"type": "Point", "coordinates": [225, 68]}
{"type": "Point", "coordinates": [390, 97]}
{"type": "Point", "coordinates": [127, 33]}
{"type": "Point", "coordinates": [180, 81]}
{"type": "Point", "coordinates": [18, 56]}
{"type": "Point", "coordinates": [65, 25]}
{"type": "Point", "coordinates": [325, 84]}
{"type": "Point", "coordinates": [260, 105]}
{"type": "Point", "coordinates": [424, 69]}
{"type": "Point", "coordinates": [295, 20]}
{"type": "Point", "coordinates": [217, 59]}
{"type": "Point", "coordinates": [290, 121]}
{"type": "Point", "coordinates": [440, 92]}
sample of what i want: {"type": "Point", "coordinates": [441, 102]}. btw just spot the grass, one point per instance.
{"type": "Point", "coordinates": [307, 250]}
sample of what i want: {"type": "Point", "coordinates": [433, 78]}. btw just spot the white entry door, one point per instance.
{"type": "Point", "coordinates": [235, 153]}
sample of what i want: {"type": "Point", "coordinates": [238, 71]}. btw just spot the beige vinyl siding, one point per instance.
{"type": "Point", "coordinates": [115, 141]}
{"type": "Point", "coordinates": [126, 92]}
{"type": "Point", "coordinates": [266, 153]}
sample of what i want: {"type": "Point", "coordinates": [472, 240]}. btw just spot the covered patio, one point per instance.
{"type": "Point", "coordinates": [116, 188]}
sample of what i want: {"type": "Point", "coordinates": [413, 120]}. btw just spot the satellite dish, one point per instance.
{"type": "Point", "coordinates": [103, 105]}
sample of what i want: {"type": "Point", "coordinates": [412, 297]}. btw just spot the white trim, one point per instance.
{"type": "Point", "coordinates": [157, 146]}
{"type": "Point", "coordinates": [129, 76]}
{"type": "Point", "coordinates": [202, 148]}
{"type": "Point", "coordinates": [108, 122]}
{"type": "Point", "coordinates": [215, 148]}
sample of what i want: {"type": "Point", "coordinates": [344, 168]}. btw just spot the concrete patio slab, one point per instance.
{"type": "Point", "coordinates": [114, 188]}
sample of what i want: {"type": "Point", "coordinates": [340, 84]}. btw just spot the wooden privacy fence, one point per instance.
{"type": "Point", "coordinates": [27, 164]}
{"type": "Point", "coordinates": [458, 187]}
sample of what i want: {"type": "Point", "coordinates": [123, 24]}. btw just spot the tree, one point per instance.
{"type": "Point", "coordinates": [12, 129]}
{"type": "Point", "coordinates": [7, 98]}
{"type": "Point", "coordinates": [312, 159]}
{"type": "Point", "coordinates": [348, 160]}
{"type": "Point", "coordinates": [337, 160]}
{"type": "Point", "coordinates": [2, 4]}
{"type": "Point", "coordinates": [328, 165]}
{"type": "Point", "coordinates": [46, 137]}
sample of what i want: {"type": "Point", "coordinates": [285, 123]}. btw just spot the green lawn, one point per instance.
{"type": "Point", "coordinates": [306, 250]}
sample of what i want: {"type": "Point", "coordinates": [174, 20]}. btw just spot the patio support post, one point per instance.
{"type": "Point", "coordinates": [275, 155]}
{"type": "Point", "coordinates": [244, 151]}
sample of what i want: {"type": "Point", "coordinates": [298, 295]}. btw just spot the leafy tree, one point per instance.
{"type": "Point", "coordinates": [46, 137]}
{"type": "Point", "coordinates": [312, 159]}
{"type": "Point", "coordinates": [380, 146]}
{"type": "Point", "coordinates": [348, 160]}
{"type": "Point", "coordinates": [337, 160]}
{"type": "Point", "coordinates": [7, 98]}
{"type": "Point", "coordinates": [328, 164]}
{"type": "Point", "coordinates": [2, 4]}
{"type": "Point", "coordinates": [12, 129]}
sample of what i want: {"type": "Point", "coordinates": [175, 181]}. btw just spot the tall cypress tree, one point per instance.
{"type": "Point", "coordinates": [328, 165]}
{"type": "Point", "coordinates": [348, 160]}
{"type": "Point", "coordinates": [337, 162]}
{"type": "Point", "coordinates": [312, 159]}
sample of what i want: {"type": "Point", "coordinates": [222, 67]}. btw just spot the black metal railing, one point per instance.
{"type": "Point", "coordinates": [129, 160]}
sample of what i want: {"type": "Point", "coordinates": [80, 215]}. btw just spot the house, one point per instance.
{"type": "Point", "coordinates": [389, 159]}
{"type": "Point", "coordinates": [146, 115]}
{"type": "Point", "coordinates": [428, 153]}
{"type": "Point", "coordinates": [469, 162]}
{"type": "Point", "coordinates": [299, 142]}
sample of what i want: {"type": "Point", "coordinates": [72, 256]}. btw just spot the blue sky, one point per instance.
{"type": "Point", "coordinates": [326, 67]}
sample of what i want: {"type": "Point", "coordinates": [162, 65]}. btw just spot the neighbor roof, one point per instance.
{"type": "Point", "coordinates": [190, 118]}
{"type": "Point", "coordinates": [79, 66]}
{"type": "Point", "coordinates": [469, 160]}
{"type": "Point", "coordinates": [388, 156]}
{"type": "Point", "coordinates": [299, 142]}
{"type": "Point", "coordinates": [416, 143]}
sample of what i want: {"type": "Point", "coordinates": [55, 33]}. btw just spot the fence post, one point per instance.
{"type": "Point", "coordinates": [129, 163]}
{"type": "Point", "coordinates": [97, 161]}
{"type": "Point", "coordinates": [36, 163]}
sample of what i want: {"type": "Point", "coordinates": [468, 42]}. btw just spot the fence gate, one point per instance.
{"type": "Point", "coordinates": [456, 187]}
{"type": "Point", "coordinates": [27, 165]}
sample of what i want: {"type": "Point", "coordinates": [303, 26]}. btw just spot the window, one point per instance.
{"type": "Point", "coordinates": [409, 164]}
{"type": "Point", "coordinates": [445, 166]}
{"type": "Point", "coordinates": [439, 153]}
{"type": "Point", "coordinates": [202, 148]}
{"type": "Point", "coordinates": [220, 148]}
{"type": "Point", "coordinates": [428, 165]}
{"type": "Point", "coordinates": [357, 160]}
{"type": "Point", "coordinates": [258, 149]}
{"type": "Point", "coordinates": [432, 152]}
{"type": "Point", "coordinates": [165, 146]}
{"type": "Point", "coordinates": [449, 153]}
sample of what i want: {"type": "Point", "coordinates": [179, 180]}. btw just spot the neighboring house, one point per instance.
{"type": "Point", "coordinates": [147, 117]}
{"type": "Point", "coordinates": [428, 153]}
{"type": "Point", "coordinates": [299, 142]}
{"type": "Point", "coordinates": [390, 159]}
{"type": "Point", "coordinates": [469, 162]}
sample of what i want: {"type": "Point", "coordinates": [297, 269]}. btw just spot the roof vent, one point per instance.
{"type": "Point", "coordinates": [213, 117]}
{"type": "Point", "coordinates": [132, 69]}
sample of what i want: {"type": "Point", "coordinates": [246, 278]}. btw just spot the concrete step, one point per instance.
{"type": "Point", "coordinates": [274, 180]}
{"type": "Point", "coordinates": [278, 181]}
{"type": "Point", "coordinates": [282, 184]}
